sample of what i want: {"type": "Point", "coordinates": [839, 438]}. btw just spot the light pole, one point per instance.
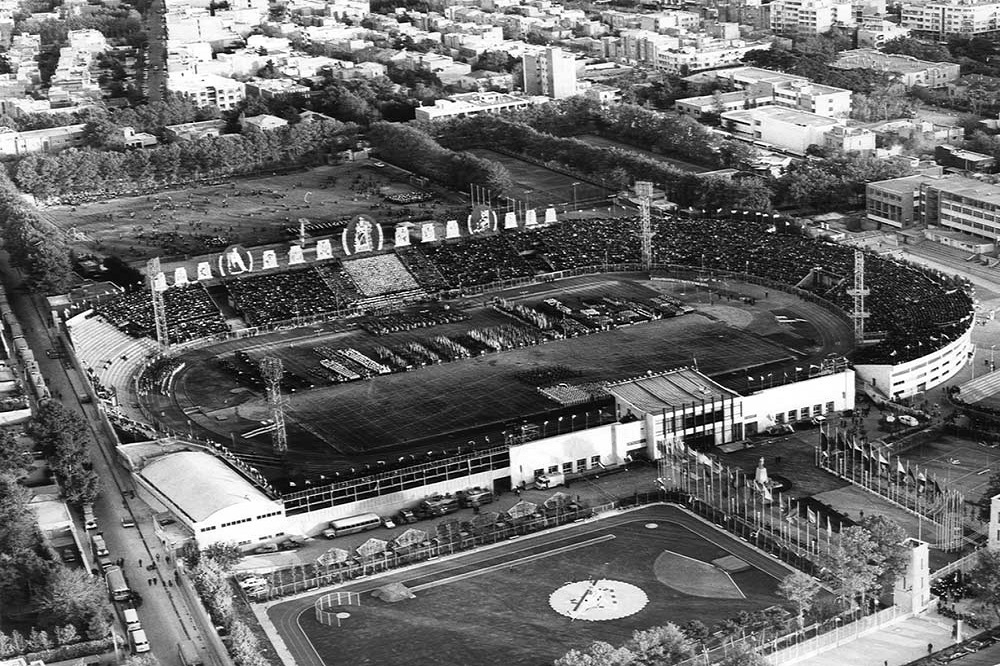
{"type": "Point", "coordinates": [545, 427]}
{"type": "Point", "coordinates": [574, 194]}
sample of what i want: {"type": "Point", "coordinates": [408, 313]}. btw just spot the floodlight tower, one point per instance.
{"type": "Point", "coordinates": [272, 370]}
{"type": "Point", "coordinates": [859, 292]}
{"type": "Point", "coordinates": [644, 189]}
{"type": "Point", "coordinates": [156, 288]}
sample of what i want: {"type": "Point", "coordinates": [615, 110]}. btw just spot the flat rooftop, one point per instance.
{"type": "Point", "coordinates": [669, 390]}
{"type": "Point", "coordinates": [872, 59]}
{"type": "Point", "coordinates": [904, 184]}
{"type": "Point", "coordinates": [970, 187]}
{"type": "Point", "coordinates": [785, 115]}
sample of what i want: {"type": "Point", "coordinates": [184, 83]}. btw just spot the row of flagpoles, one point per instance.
{"type": "Point", "coordinates": [749, 502]}
{"type": "Point", "coordinates": [875, 468]}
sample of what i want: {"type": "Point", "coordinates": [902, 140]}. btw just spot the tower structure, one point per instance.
{"type": "Point", "coordinates": [859, 291]}
{"type": "Point", "coordinates": [157, 284]}
{"type": "Point", "coordinates": [272, 370]}
{"type": "Point", "coordinates": [644, 189]}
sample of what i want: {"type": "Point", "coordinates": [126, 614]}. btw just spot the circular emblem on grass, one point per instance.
{"type": "Point", "coordinates": [598, 600]}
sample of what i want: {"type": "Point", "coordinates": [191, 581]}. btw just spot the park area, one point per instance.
{"type": "Point", "coordinates": [501, 605]}
{"type": "Point", "coordinates": [391, 411]}
{"type": "Point", "coordinates": [250, 211]}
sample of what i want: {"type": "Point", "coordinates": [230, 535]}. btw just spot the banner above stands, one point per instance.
{"type": "Point", "coordinates": [362, 235]}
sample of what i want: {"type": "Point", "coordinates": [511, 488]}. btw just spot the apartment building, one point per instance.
{"type": "Point", "coordinates": [763, 87]}
{"type": "Point", "coordinates": [875, 31]}
{"type": "Point", "coordinates": [910, 71]}
{"type": "Point", "coordinates": [550, 72]}
{"type": "Point", "coordinates": [471, 104]}
{"type": "Point", "coordinates": [793, 131]}
{"type": "Point", "coordinates": [795, 18]}
{"type": "Point", "coordinates": [955, 203]}
{"type": "Point", "coordinates": [50, 140]}
{"type": "Point", "coordinates": [207, 89]}
{"type": "Point", "coordinates": [962, 18]}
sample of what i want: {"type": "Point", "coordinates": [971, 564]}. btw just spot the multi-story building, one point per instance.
{"type": "Point", "coordinates": [809, 17]}
{"type": "Point", "coordinates": [471, 104]}
{"type": "Point", "coordinates": [550, 72]}
{"type": "Point", "coordinates": [966, 18]}
{"type": "Point", "coordinates": [794, 131]}
{"type": "Point", "coordinates": [763, 87]}
{"type": "Point", "coordinates": [896, 202]}
{"type": "Point", "coordinates": [50, 140]}
{"type": "Point", "coordinates": [911, 72]}
{"type": "Point", "coordinates": [207, 89]}
{"type": "Point", "coordinates": [875, 31]}
{"type": "Point", "coordinates": [703, 54]}
{"type": "Point", "coordinates": [272, 88]}
{"type": "Point", "coordinates": [955, 158]}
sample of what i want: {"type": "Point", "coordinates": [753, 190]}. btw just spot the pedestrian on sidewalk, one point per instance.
{"type": "Point", "coordinates": [140, 564]}
{"type": "Point", "coordinates": [157, 557]}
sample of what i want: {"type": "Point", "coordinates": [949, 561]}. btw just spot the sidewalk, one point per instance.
{"type": "Point", "coordinates": [893, 645]}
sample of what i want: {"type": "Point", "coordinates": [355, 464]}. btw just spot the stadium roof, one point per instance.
{"type": "Point", "coordinates": [669, 390]}
{"type": "Point", "coordinates": [200, 484]}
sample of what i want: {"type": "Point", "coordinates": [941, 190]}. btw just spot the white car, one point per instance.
{"type": "Point", "coordinates": [908, 420]}
{"type": "Point", "coordinates": [253, 581]}
{"type": "Point", "coordinates": [388, 522]}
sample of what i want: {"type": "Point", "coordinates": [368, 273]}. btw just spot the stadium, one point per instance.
{"type": "Point", "coordinates": [366, 370]}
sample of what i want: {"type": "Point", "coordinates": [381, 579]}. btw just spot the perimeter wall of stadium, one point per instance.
{"type": "Point", "coordinates": [919, 375]}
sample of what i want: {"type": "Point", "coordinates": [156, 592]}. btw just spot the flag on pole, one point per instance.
{"type": "Point", "coordinates": [937, 488]}
{"type": "Point", "coordinates": [766, 494]}
{"type": "Point", "coordinates": [921, 482]}
{"type": "Point", "coordinates": [899, 467]}
{"type": "Point", "coordinates": [811, 515]}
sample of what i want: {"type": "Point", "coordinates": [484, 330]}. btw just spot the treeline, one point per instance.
{"type": "Point", "coordinates": [62, 436]}
{"type": "Point", "coordinates": [412, 149]}
{"type": "Point", "coordinates": [109, 172]}
{"type": "Point", "coordinates": [616, 168]}
{"type": "Point", "coordinates": [33, 244]}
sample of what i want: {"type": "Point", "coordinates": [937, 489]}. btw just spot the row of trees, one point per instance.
{"type": "Point", "coordinates": [62, 435]}
{"type": "Point", "coordinates": [33, 581]}
{"type": "Point", "coordinates": [666, 645]}
{"type": "Point", "coordinates": [412, 149]}
{"type": "Point", "coordinates": [211, 580]}
{"type": "Point", "coordinates": [95, 171]}
{"type": "Point", "coordinates": [32, 243]}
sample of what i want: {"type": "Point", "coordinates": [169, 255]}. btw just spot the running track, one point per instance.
{"type": "Point", "coordinates": [284, 615]}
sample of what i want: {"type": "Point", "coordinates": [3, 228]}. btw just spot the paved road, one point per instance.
{"type": "Point", "coordinates": [163, 613]}
{"type": "Point", "coordinates": [156, 66]}
{"type": "Point", "coordinates": [285, 615]}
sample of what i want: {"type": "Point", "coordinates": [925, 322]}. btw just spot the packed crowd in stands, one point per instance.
{"type": "Point", "coordinates": [917, 309]}
{"type": "Point", "coordinates": [270, 298]}
{"type": "Point", "coordinates": [380, 274]}
{"type": "Point", "coordinates": [408, 197]}
{"type": "Point", "coordinates": [914, 309]}
{"type": "Point", "coordinates": [191, 313]}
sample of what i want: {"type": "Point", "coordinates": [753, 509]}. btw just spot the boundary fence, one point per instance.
{"type": "Point", "coordinates": [329, 607]}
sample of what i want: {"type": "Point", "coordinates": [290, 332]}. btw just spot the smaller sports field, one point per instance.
{"type": "Point", "coordinates": [537, 187]}
{"type": "Point", "coordinates": [603, 142]}
{"type": "Point", "coordinates": [502, 605]}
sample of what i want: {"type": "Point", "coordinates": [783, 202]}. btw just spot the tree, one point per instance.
{"type": "Point", "coordinates": [15, 454]}
{"type": "Point", "coordinates": [496, 61]}
{"type": "Point", "coordinates": [889, 539]}
{"type": "Point", "coordinates": [853, 565]}
{"type": "Point", "coordinates": [660, 646]}
{"type": "Point", "coordinates": [224, 554]}
{"type": "Point", "coordinates": [598, 654]}
{"type": "Point", "coordinates": [66, 635]}
{"type": "Point", "coordinates": [799, 588]}
{"type": "Point", "coordinates": [73, 596]}
{"type": "Point", "coordinates": [742, 655]}
{"type": "Point", "coordinates": [39, 640]}
{"type": "Point", "coordinates": [986, 579]}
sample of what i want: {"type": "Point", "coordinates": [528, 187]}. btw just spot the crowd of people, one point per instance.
{"type": "Point", "coordinates": [269, 298]}
{"type": "Point", "coordinates": [380, 274]}
{"type": "Point", "coordinates": [913, 309]}
{"type": "Point", "coordinates": [190, 313]}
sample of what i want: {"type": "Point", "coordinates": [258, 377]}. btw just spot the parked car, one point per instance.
{"type": "Point", "coordinates": [406, 517]}
{"type": "Point", "coordinates": [127, 521]}
{"type": "Point", "coordinates": [388, 522]}
{"type": "Point", "coordinates": [266, 548]}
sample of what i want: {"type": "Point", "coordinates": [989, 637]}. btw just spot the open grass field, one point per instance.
{"type": "Point", "coordinates": [603, 142]}
{"type": "Point", "coordinates": [538, 187]}
{"type": "Point", "coordinates": [390, 412]}
{"type": "Point", "coordinates": [491, 607]}
{"type": "Point", "coordinates": [251, 211]}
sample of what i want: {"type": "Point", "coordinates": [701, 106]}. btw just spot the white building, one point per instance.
{"type": "Point", "coordinates": [909, 70]}
{"type": "Point", "coordinates": [761, 87]}
{"type": "Point", "coordinates": [214, 500]}
{"type": "Point", "coordinates": [207, 89]}
{"type": "Point", "coordinates": [875, 31]}
{"type": "Point", "coordinates": [794, 131]}
{"type": "Point", "coordinates": [809, 17]}
{"type": "Point", "coordinates": [550, 72]}
{"type": "Point", "coordinates": [966, 18]}
{"type": "Point", "coordinates": [49, 140]}
{"type": "Point", "coordinates": [471, 104]}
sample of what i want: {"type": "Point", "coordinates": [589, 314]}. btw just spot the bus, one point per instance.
{"type": "Point", "coordinates": [100, 549]}
{"type": "Point", "coordinates": [189, 655]}
{"type": "Point", "coordinates": [352, 525]}
{"type": "Point", "coordinates": [117, 587]}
